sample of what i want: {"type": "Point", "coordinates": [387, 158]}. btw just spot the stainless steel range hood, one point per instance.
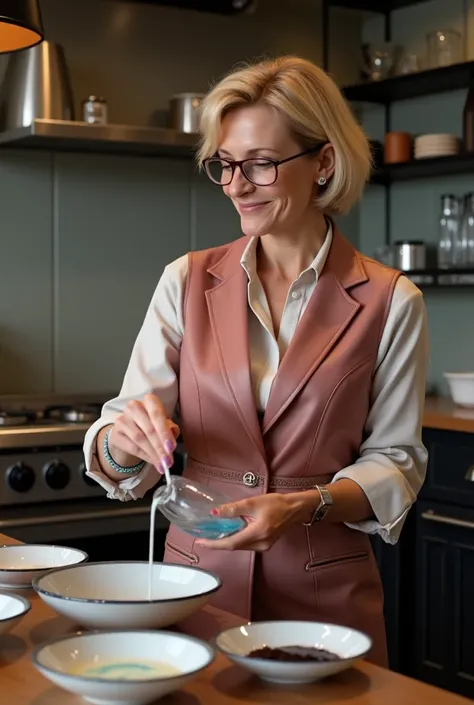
{"type": "Point", "coordinates": [221, 7]}
{"type": "Point", "coordinates": [62, 135]}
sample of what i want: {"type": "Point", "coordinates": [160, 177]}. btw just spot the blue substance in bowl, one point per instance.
{"type": "Point", "coordinates": [215, 528]}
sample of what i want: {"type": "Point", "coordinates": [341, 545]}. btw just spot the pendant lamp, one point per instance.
{"type": "Point", "coordinates": [20, 25]}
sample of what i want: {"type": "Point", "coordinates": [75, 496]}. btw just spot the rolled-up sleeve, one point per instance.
{"type": "Point", "coordinates": [392, 464]}
{"type": "Point", "coordinates": [153, 368]}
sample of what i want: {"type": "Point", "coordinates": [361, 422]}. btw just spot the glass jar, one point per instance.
{"type": "Point", "coordinates": [94, 110]}
{"type": "Point", "coordinates": [449, 231]}
{"type": "Point", "coordinates": [444, 48]}
{"type": "Point", "coordinates": [466, 253]}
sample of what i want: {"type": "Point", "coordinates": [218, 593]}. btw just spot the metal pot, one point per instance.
{"type": "Point", "coordinates": [410, 255]}
{"type": "Point", "coordinates": [185, 112]}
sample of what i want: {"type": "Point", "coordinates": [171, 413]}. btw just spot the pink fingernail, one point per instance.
{"type": "Point", "coordinates": [170, 446]}
{"type": "Point", "coordinates": [214, 512]}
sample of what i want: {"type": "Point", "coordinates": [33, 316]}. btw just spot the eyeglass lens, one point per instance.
{"type": "Point", "coordinates": [260, 172]}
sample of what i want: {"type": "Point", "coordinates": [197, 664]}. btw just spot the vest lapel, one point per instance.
{"type": "Point", "coordinates": [328, 314]}
{"type": "Point", "coordinates": [228, 310]}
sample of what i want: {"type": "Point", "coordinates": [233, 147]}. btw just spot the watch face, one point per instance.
{"type": "Point", "coordinates": [321, 512]}
{"type": "Point", "coordinates": [323, 507]}
{"type": "Point", "coordinates": [325, 504]}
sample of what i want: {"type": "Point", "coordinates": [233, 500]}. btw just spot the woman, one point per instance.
{"type": "Point", "coordinates": [298, 363]}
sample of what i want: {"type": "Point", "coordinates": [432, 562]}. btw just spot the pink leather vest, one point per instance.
{"type": "Point", "coordinates": [312, 427]}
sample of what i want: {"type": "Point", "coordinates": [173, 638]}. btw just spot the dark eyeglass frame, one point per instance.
{"type": "Point", "coordinates": [240, 164]}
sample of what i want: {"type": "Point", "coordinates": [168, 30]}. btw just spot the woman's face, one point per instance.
{"type": "Point", "coordinates": [286, 206]}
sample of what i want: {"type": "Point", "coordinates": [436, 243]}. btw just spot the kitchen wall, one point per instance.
{"type": "Point", "coordinates": [415, 205]}
{"type": "Point", "coordinates": [84, 238]}
{"type": "Point", "coordinates": [137, 55]}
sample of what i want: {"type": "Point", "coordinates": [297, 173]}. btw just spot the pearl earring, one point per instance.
{"type": "Point", "coordinates": [322, 181]}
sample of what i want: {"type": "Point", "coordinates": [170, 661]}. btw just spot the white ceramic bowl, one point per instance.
{"type": "Point", "coordinates": [347, 643]}
{"type": "Point", "coordinates": [63, 662]}
{"type": "Point", "coordinates": [12, 609]}
{"type": "Point", "coordinates": [114, 595]}
{"type": "Point", "coordinates": [461, 387]}
{"type": "Point", "coordinates": [20, 564]}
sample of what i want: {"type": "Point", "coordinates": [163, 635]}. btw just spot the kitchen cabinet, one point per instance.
{"type": "Point", "coordinates": [444, 625]}
{"type": "Point", "coordinates": [85, 238]}
{"type": "Point", "coordinates": [396, 569]}
{"type": "Point", "coordinates": [428, 576]}
{"type": "Point", "coordinates": [118, 222]}
{"type": "Point", "coordinates": [26, 280]}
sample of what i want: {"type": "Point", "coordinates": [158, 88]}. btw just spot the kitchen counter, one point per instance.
{"type": "Point", "coordinates": [220, 684]}
{"type": "Point", "coordinates": [443, 414]}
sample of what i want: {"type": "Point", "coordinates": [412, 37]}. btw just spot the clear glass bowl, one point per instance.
{"type": "Point", "coordinates": [188, 506]}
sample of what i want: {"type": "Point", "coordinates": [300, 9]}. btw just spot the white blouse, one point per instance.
{"type": "Point", "coordinates": [392, 464]}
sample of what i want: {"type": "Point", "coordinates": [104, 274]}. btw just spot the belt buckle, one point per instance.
{"type": "Point", "coordinates": [250, 479]}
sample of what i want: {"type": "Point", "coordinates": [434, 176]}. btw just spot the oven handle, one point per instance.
{"type": "Point", "coordinates": [73, 516]}
{"type": "Point", "coordinates": [430, 515]}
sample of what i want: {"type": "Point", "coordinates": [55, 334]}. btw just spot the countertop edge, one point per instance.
{"type": "Point", "coordinates": [442, 414]}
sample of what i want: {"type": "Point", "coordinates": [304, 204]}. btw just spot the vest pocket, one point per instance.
{"type": "Point", "coordinates": [336, 560]}
{"type": "Point", "coordinates": [181, 553]}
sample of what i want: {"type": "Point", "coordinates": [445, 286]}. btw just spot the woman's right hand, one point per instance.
{"type": "Point", "coordinates": [143, 432]}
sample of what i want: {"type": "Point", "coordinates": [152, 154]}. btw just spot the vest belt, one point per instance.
{"type": "Point", "coordinates": [253, 479]}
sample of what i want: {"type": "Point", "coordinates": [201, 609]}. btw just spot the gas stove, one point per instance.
{"type": "Point", "coordinates": [65, 413]}
{"type": "Point", "coordinates": [41, 458]}
{"type": "Point", "coordinates": [53, 424]}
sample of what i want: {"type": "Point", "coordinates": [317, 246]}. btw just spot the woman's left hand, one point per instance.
{"type": "Point", "coordinates": [268, 517]}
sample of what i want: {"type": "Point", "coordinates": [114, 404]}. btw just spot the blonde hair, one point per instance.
{"type": "Point", "coordinates": [315, 110]}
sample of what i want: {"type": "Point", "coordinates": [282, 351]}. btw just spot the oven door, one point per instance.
{"type": "Point", "coordinates": [105, 529]}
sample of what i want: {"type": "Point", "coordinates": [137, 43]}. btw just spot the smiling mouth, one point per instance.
{"type": "Point", "coordinates": [252, 206]}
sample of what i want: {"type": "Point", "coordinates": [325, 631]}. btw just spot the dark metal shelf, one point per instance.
{"type": "Point", "coordinates": [383, 7]}
{"type": "Point", "coordinates": [442, 278]}
{"type": "Point", "coordinates": [220, 7]}
{"type": "Point", "coordinates": [413, 85]}
{"type": "Point", "coordinates": [64, 136]}
{"type": "Point", "coordinates": [424, 168]}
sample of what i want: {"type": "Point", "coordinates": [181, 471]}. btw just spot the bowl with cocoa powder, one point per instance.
{"type": "Point", "coordinates": [293, 652]}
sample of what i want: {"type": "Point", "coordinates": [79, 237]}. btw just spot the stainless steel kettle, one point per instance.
{"type": "Point", "coordinates": [36, 86]}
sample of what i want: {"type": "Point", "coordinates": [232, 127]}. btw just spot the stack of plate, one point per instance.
{"type": "Point", "coordinates": [430, 146]}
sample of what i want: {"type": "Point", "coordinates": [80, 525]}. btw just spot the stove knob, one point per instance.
{"type": "Point", "coordinates": [20, 477]}
{"type": "Point", "coordinates": [88, 480]}
{"type": "Point", "coordinates": [57, 475]}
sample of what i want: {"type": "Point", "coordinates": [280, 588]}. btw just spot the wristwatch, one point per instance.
{"type": "Point", "coordinates": [323, 507]}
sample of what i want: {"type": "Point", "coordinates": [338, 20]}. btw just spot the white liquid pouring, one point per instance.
{"type": "Point", "coordinates": [151, 545]}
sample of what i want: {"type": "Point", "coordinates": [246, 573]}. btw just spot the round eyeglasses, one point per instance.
{"type": "Point", "coordinates": [259, 171]}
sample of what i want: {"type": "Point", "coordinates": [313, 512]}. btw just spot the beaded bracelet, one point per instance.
{"type": "Point", "coordinates": [120, 468]}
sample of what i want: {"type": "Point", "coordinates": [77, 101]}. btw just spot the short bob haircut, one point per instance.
{"type": "Point", "coordinates": [315, 111]}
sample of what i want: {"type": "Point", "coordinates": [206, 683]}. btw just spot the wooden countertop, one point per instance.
{"type": "Point", "coordinates": [442, 413]}
{"type": "Point", "coordinates": [220, 684]}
